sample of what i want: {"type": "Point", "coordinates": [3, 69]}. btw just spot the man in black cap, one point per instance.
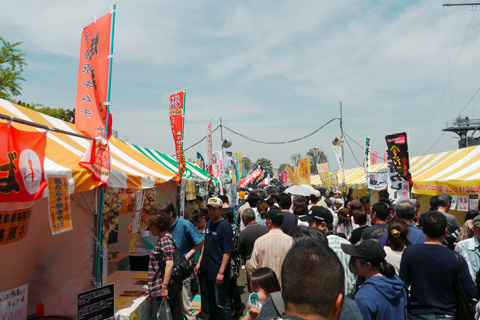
{"type": "Point", "coordinates": [321, 218]}
{"type": "Point", "coordinates": [270, 250]}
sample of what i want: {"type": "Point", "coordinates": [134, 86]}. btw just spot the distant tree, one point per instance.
{"type": "Point", "coordinates": [59, 113]}
{"type": "Point", "coordinates": [266, 164]}
{"type": "Point", "coordinates": [11, 67]}
{"type": "Point", "coordinates": [282, 167]}
{"type": "Point", "coordinates": [316, 156]}
{"type": "Point", "coordinates": [295, 158]}
{"type": "Point", "coordinates": [247, 163]}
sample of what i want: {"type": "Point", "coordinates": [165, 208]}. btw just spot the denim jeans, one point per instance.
{"type": "Point", "coordinates": [219, 300]}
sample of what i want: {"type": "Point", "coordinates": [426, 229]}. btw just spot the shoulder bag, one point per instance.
{"type": "Point", "coordinates": [464, 308]}
{"type": "Point", "coordinates": [181, 267]}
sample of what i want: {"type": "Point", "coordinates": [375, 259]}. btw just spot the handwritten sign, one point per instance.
{"type": "Point", "coordinates": [59, 204]}
{"type": "Point", "coordinates": [13, 303]}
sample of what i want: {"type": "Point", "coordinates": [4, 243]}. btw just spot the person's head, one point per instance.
{"type": "Point", "coordinates": [398, 235]}
{"type": "Point", "coordinates": [215, 208]}
{"type": "Point", "coordinates": [248, 216]}
{"type": "Point", "coordinates": [417, 207]}
{"type": "Point", "coordinates": [383, 194]}
{"type": "Point", "coordinates": [319, 288]}
{"type": "Point", "coordinates": [471, 214]}
{"type": "Point", "coordinates": [303, 233]}
{"type": "Point", "coordinates": [262, 207]}
{"type": "Point", "coordinates": [434, 203]}
{"type": "Point", "coordinates": [284, 201]}
{"type": "Point", "coordinates": [328, 202]}
{"type": "Point", "coordinates": [368, 258]}
{"type": "Point", "coordinates": [386, 201]}
{"type": "Point", "coordinates": [300, 208]}
{"type": "Point", "coordinates": [168, 208]}
{"type": "Point", "coordinates": [198, 199]}
{"type": "Point", "coordinates": [360, 217]}
{"type": "Point", "coordinates": [444, 201]}
{"type": "Point", "coordinates": [355, 205]}
{"type": "Point", "coordinates": [264, 281]}
{"type": "Point", "coordinates": [158, 221]}
{"type": "Point", "coordinates": [315, 196]}
{"type": "Point", "coordinates": [319, 218]}
{"type": "Point", "coordinates": [379, 212]}
{"type": "Point", "coordinates": [365, 203]}
{"type": "Point", "coordinates": [224, 199]}
{"type": "Point", "coordinates": [343, 217]}
{"type": "Point", "coordinates": [274, 219]}
{"type": "Point", "coordinates": [228, 215]}
{"type": "Point", "coordinates": [200, 218]}
{"type": "Point", "coordinates": [323, 191]}
{"type": "Point", "coordinates": [405, 210]}
{"type": "Point", "coordinates": [253, 199]}
{"type": "Point", "coordinates": [337, 194]}
{"type": "Point", "coordinates": [338, 203]}
{"type": "Point", "coordinates": [476, 227]}
{"type": "Point", "coordinates": [434, 224]}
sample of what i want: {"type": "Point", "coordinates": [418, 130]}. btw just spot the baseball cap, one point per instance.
{"type": "Point", "coordinates": [318, 213]}
{"type": "Point", "coordinates": [316, 193]}
{"type": "Point", "coordinates": [274, 213]}
{"type": "Point", "coordinates": [338, 192]}
{"type": "Point", "coordinates": [369, 250]}
{"type": "Point", "coordinates": [339, 200]}
{"type": "Point", "coordinates": [215, 202]}
{"type": "Point", "coordinates": [476, 221]}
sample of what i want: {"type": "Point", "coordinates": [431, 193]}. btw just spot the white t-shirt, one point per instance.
{"type": "Point", "coordinates": [140, 248]}
{"type": "Point", "coordinates": [393, 257]}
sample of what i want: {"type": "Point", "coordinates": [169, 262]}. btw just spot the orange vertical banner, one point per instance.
{"type": "Point", "coordinates": [90, 107]}
{"type": "Point", "coordinates": [304, 170]}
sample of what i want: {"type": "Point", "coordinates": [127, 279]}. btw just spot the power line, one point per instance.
{"type": "Point", "coordinates": [265, 142]}
{"type": "Point", "coordinates": [353, 154]}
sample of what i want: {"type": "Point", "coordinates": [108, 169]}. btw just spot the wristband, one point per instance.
{"type": "Point", "coordinates": [220, 273]}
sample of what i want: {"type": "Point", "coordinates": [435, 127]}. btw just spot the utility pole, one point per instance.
{"type": "Point", "coordinates": [343, 151]}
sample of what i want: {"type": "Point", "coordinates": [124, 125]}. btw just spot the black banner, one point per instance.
{"type": "Point", "coordinates": [397, 150]}
{"type": "Point", "coordinates": [255, 182]}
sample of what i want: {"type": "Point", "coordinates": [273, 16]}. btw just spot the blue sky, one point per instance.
{"type": "Point", "coordinates": [272, 70]}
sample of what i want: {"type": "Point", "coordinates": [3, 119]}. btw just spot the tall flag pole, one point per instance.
{"type": "Point", "coordinates": [92, 109]}
{"type": "Point", "coordinates": [209, 151]}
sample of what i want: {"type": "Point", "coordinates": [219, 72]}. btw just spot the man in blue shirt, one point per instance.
{"type": "Point", "coordinates": [430, 269]}
{"type": "Point", "coordinates": [214, 262]}
{"type": "Point", "coordinates": [188, 241]}
{"type": "Point", "coordinates": [406, 210]}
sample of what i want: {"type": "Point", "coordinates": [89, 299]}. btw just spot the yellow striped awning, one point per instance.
{"type": "Point", "coordinates": [130, 169]}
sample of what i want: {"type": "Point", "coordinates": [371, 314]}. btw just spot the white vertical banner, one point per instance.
{"type": "Point", "coordinates": [337, 150]}
{"type": "Point", "coordinates": [366, 159]}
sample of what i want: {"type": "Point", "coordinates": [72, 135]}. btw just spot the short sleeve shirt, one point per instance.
{"type": "Point", "coordinates": [218, 240]}
{"type": "Point", "coordinates": [185, 234]}
{"type": "Point", "coordinates": [164, 250]}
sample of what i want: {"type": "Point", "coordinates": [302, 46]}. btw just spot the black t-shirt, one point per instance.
{"type": "Point", "coordinates": [218, 240]}
{"type": "Point", "coordinates": [357, 235]}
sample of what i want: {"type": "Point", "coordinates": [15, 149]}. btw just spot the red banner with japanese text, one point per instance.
{"type": "Point", "coordinates": [209, 151]}
{"type": "Point", "coordinates": [97, 159]}
{"type": "Point", "coordinates": [245, 182]}
{"type": "Point", "coordinates": [92, 85]}
{"type": "Point", "coordinates": [14, 224]}
{"type": "Point", "coordinates": [22, 155]}
{"type": "Point", "coordinates": [177, 113]}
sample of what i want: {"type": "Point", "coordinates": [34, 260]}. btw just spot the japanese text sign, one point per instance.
{"type": "Point", "coordinates": [59, 207]}
{"type": "Point", "coordinates": [92, 86]}
{"type": "Point", "coordinates": [177, 112]}
{"type": "Point", "coordinates": [304, 170]}
{"type": "Point", "coordinates": [14, 224]}
{"type": "Point", "coordinates": [13, 303]}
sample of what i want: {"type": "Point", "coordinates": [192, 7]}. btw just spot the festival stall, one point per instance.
{"type": "Point", "coordinates": [56, 262]}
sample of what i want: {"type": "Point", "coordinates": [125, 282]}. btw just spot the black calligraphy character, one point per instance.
{"type": "Point", "coordinates": [94, 45]}
{"type": "Point", "coordinates": [86, 36]}
{"type": "Point", "coordinates": [12, 233]}
{"type": "Point", "coordinates": [87, 84]}
{"type": "Point", "coordinates": [87, 113]}
{"type": "Point", "coordinates": [9, 183]}
{"type": "Point", "coordinates": [86, 68]}
{"type": "Point", "coordinates": [85, 54]}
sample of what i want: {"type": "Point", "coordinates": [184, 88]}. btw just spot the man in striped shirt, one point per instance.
{"type": "Point", "coordinates": [270, 250]}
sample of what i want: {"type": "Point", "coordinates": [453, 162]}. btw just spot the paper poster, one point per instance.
{"type": "Point", "coordinates": [473, 203]}
{"type": "Point", "coordinates": [14, 224]}
{"type": "Point", "coordinates": [121, 302]}
{"type": "Point", "coordinates": [13, 303]}
{"type": "Point", "coordinates": [377, 180]}
{"type": "Point", "coordinates": [462, 203]}
{"type": "Point", "coordinates": [304, 170]}
{"type": "Point", "coordinates": [127, 200]}
{"type": "Point", "coordinates": [59, 207]}
{"type": "Point", "coordinates": [453, 205]}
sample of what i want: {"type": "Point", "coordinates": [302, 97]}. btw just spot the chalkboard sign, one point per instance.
{"type": "Point", "coordinates": [96, 304]}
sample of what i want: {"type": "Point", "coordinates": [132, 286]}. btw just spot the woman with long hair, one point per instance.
{"type": "Point", "coordinates": [397, 241]}
{"type": "Point", "coordinates": [382, 295]}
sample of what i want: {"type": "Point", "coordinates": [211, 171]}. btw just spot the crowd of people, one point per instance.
{"type": "Point", "coordinates": [318, 257]}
